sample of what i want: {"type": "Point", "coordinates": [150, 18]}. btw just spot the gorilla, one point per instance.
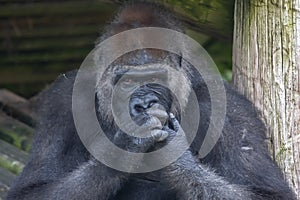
{"type": "Point", "coordinates": [60, 167]}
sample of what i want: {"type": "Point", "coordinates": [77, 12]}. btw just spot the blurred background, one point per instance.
{"type": "Point", "coordinates": [43, 38]}
{"type": "Point", "coordinates": [40, 39]}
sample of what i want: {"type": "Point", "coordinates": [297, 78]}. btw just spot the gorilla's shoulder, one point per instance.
{"type": "Point", "coordinates": [55, 123]}
{"type": "Point", "coordinates": [63, 84]}
{"type": "Point", "coordinates": [56, 99]}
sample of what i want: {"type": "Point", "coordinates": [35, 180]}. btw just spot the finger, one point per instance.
{"type": "Point", "coordinates": [117, 135]}
{"type": "Point", "coordinates": [159, 135]}
{"type": "Point", "coordinates": [162, 115]}
{"type": "Point", "coordinates": [174, 122]}
{"type": "Point", "coordinates": [164, 136]}
{"type": "Point", "coordinates": [153, 122]}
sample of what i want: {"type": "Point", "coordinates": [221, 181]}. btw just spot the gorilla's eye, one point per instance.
{"type": "Point", "coordinates": [154, 79]}
{"type": "Point", "coordinates": [127, 83]}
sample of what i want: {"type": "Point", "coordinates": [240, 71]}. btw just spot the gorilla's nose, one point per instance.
{"type": "Point", "coordinates": [147, 107]}
{"type": "Point", "coordinates": [143, 104]}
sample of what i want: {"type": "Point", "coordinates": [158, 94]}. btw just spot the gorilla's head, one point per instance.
{"type": "Point", "coordinates": [147, 84]}
{"type": "Point", "coordinates": [143, 86]}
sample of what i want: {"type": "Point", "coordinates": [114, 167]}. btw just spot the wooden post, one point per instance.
{"type": "Point", "coordinates": [266, 68]}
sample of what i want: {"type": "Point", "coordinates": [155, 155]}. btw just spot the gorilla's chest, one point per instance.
{"type": "Point", "coordinates": [137, 189]}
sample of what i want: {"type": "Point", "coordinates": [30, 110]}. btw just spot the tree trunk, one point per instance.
{"type": "Point", "coordinates": [266, 68]}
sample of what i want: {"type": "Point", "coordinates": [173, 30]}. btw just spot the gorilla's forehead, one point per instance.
{"type": "Point", "coordinates": [146, 57]}
{"type": "Point", "coordinates": [176, 77]}
{"type": "Point", "coordinates": [159, 70]}
{"type": "Point", "coordinates": [160, 67]}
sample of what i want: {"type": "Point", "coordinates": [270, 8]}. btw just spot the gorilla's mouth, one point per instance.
{"type": "Point", "coordinates": [154, 118]}
{"type": "Point", "coordinates": [157, 116]}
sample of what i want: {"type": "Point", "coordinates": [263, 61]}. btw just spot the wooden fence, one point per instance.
{"type": "Point", "coordinates": [17, 121]}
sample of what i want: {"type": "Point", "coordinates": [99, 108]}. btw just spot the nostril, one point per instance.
{"type": "Point", "coordinates": [139, 108]}
{"type": "Point", "coordinates": [151, 103]}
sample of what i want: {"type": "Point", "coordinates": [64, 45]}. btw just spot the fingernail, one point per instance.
{"type": "Point", "coordinates": [163, 136]}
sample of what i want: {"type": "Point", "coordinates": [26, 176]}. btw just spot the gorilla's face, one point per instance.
{"type": "Point", "coordinates": [150, 100]}
{"type": "Point", "coordinates": [144, 90]}
{"type": "Point", "coordinates": [145, 94]}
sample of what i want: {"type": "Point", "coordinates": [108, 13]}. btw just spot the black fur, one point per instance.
{"type": "Point", "coordinates": [238, 167]}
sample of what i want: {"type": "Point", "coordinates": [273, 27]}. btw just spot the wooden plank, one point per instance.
{"type": "Point", "coordinates": [76, 53]}
{"type": "Point", "coordinates": [13, 154]}
{"type": "Point", "coordinates": [50, 30]}
{"type": "Point", "coordinates": [48, 49]}
{"type": "Point", "coordinates": [26, 1]}
{"type": "Point", "coordinates": [28, 23]}
{"type": "Point", "coordinates": [6, 179]}
{"type": "Point", "coordinates": [41, 48]}
{"type": "Point", "coordinates": [52, 9]}
{"type": "Point", "coordinates": [26, 76]}
{"type": "Point", "coordinates": [17, 107]}
{"type": "Point", "coordinates": [214, 17]}
{"type": "Point", "coordinates": [26, 89]}
{"type": "Point", "coordinates": [7, 97]}
{"type": "Point", "coordinates": [56, 42]}
{"type": "Point", "coordinates": [15, 132]}
{"type": "Point", "coordinates": [36, 69]}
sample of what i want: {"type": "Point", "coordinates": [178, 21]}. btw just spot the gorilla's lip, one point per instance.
{"type": "Point", "coordinates": [154, 123]}
{"type": "Point", "coordinates": [156, 128]}
{"type": "Point", "coordinates": [158, 117]}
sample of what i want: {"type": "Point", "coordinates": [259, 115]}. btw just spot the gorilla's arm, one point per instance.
{"type": "Point", "coordinates": [86, 182]}
{"type": "Point", "coordinates": [60, 167]}
{"type": "Point", "coordinates": [238, 167]}
{"type": "Point", "coordinates": [193, 180]}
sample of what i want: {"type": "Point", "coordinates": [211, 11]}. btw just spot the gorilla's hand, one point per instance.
{"type": "Point", "coordinates": [147, 131]}
{"type": "Point", "coordinates": [139, 145]}
{"type": "Point", "coordinates": [172, 127]}
{"type": "Point", "coordinates": [189, 176]}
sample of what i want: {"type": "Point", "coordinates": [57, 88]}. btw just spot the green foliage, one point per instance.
{"type": "Point", "coordinates": [18, 137]}
{"type": "Point", "coordinates": [12, 166]}
{"type": "Point", "coordinates": [220, 52]}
